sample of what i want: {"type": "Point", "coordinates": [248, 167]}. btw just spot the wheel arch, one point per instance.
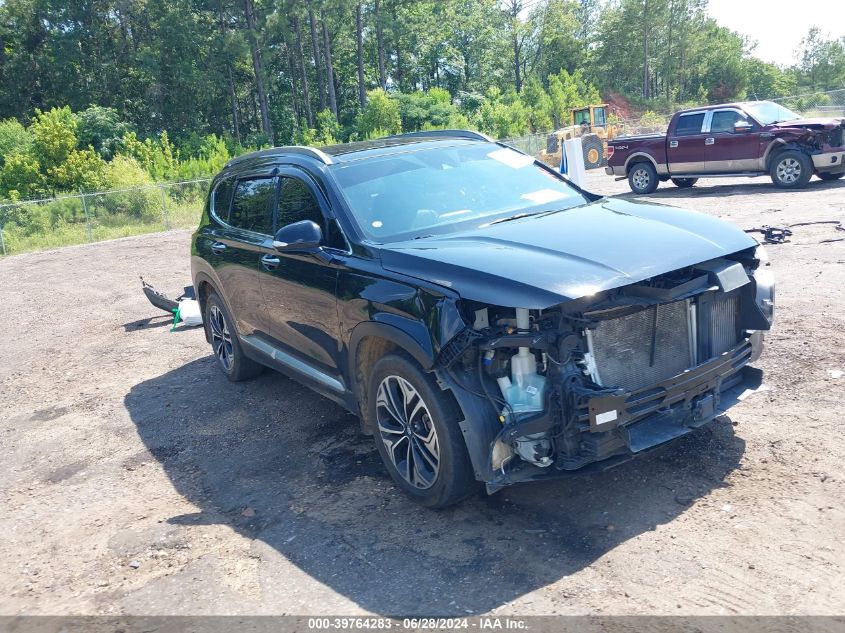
{"type": "Point", "coordinates": [204, 285]}
{"type": "Point", "coordinates": [777, 147]}
{"type": "Point", "coordinates": [372, 340]}
{"type": "Point", "coordinates": [640, 157]}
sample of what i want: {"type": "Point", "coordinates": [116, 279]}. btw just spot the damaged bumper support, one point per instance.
{"type": "Point", "coordinates": [595, 383]}
{"type": "Point", "coordinates": [616, 428]}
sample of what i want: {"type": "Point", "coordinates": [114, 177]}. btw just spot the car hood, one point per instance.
{"type": "Point", "coordinates": [544, 260]}
{"type": "Point", "coordinates": [827, 124]}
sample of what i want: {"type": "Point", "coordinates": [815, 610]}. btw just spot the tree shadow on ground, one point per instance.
{"type": "Point", "coordinates": [319, 496]}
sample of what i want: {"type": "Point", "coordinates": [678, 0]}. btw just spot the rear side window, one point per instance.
{"type": "Point", "coordinates": [724, 121]}
{"type": "Point", "coordinates": [222, 199]}
{"type": "Point", "coordinates": [252, 205]}
{"type": "Point", "coordinates": [689, 124]}
{"type": "Point", "coordinates": [297, 203]}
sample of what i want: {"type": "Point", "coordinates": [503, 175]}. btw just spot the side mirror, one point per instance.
{"type": "Point", "coordinates": [742, 127]}
{"type": "Point", "coordinates": [304, 235]}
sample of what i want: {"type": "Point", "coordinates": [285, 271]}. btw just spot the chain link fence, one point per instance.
{"type": "Point", "coordinates": [816, 104]}
{"type": "Point", "coordinates": [92, 217]}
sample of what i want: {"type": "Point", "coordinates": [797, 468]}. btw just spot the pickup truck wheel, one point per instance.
{"type": "Point", "coordinates": [417, 433]}
{"type": "Point", "coordinates": [791, 169]}
{"type": "Point", "coordinates": [643, 178]}
{"type": "Point", "coordinates": [826, 175]}
{"type": "Point", "coordinates": [225, 344]}
{"type": "Point", "coordinates": [684, 183]}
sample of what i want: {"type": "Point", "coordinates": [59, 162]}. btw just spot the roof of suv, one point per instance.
{"type": "Point", "coordinates": [358, 149]}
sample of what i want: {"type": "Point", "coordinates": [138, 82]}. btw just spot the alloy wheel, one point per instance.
{"type": "Point", "coordinates": [641, 179]}
{"type": "Point", "coordinates": [788, 171]}
{"type": "Point", "coordinates": [221, 339]}
{"type": "Point", "coordinates": [408, 433]}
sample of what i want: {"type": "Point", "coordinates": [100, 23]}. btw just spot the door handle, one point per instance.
{"type": "Point", "coordinates": [709, 141]}
{"type": "Point", "coordinates": [270, 262]}
{"type": "Point", "coordinates": [673, 144]}
{"type": "Point", "coordinates": [218, 247]}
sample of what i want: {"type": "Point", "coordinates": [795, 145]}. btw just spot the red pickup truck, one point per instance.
{"type": "Point", "coordinates": [733, 139]}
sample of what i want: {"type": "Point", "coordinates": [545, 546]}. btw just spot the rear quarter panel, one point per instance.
{"type": "Point", "coordinates": [628, 149]}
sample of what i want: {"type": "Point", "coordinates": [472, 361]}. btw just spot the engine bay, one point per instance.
{"type": "Point", "coordinates": [577, 383]}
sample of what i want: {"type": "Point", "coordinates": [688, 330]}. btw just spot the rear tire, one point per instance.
{"type": "Point", "coordinates": [684, 183]}
{"type": "Point", "coordinates": [416, 430]}
{"type": "Point", "coordinates": [225, 343]}
{"type": "Point", "coordinates": [791, 169]}
{"type": "Point", "coordinates": [828, 176]}
{"type": "Point", "coordinates": [642, 178]}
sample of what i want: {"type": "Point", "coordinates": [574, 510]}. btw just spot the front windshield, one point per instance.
{"type": "Point", "coordinates": [429, 190]}
{"type": "Point", "coordinates": [767, 112]}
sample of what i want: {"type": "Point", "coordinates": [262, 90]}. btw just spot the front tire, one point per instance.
{"type": "Point", "coordinates": [593, 150]}
{"type": "Point", "coordinates": [416, 431]}
{"type": "Point", "coordinates": [684, 183]}
{"type": "Point", "coordinates": [826, 175]}
{"type": "Point", "coordinates": [225, 343]}
{"type": "Point", "coordinates": [643, 178]}
{"type": "Point", "coordinates": [791, 169]}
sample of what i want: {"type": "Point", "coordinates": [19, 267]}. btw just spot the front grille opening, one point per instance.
{"type": "Point", "coordinates": [642, 349]}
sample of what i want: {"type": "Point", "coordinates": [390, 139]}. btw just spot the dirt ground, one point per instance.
{"type": "Point", "coordinates": [136, 479]}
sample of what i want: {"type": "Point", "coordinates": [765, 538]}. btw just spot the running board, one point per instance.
{"type": "Point", "coordinates": [739, 174]}
{"type": "Point", "coordinates": [284, 359]}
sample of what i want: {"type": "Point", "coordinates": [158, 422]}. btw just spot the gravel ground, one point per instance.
{"type": "Point", "coordinates": [136, 479]}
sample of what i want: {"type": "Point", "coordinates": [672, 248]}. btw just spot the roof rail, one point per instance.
{"type": "Point", "coordinates": [468, 134]}
{"type": "Point", "coordinates": [303, 150]}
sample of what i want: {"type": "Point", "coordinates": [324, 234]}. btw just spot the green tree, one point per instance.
{"type": "Point", "coordinates": [20, 177]}
{"type": "Point", "coordinates": [381, 115]}
{"type": "Point", "coordinates": [14, 139]}
{"type": "Point", "coordinates": [821, 61]}
{"type": "Point", "coordinates": [54, 136]}
{"type": "Point", "coordinates": [539, 105]}
{"type": "Point", "coordinates": [102, 129]}
{"type": "Point", "coordinates": [82, 170]}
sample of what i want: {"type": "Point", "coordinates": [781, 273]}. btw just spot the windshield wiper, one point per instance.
{"type": "Point", "coordinates": [512, 217]}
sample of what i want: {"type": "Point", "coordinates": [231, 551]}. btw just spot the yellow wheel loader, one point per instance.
{"type": "Point", "coordinates": [591, 125]}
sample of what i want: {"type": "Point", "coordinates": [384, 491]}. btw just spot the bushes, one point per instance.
{"type": "Point", "coordinates": [14, 139]}
{"type": "Point", "coordinates": [82, 170]}
{"type": "Point", "coordinates": [380, 116]}
{"type": "Point", "coordinates": [54, 136]}
{"type": "Point", "coordinates": [125, 173]}
{"type": "Point", "coordinates": [20, 177]}
{"type": "Point", "coordinates": [431, 110]}
{"type": "Point", "coordinates": [101, 129]}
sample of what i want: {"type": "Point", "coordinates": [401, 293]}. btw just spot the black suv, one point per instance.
{"type": "Point", "coordinates": [488, 321]}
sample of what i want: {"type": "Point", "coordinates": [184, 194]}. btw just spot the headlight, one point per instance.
{"type": "Point", "coordinates": [765, 280]}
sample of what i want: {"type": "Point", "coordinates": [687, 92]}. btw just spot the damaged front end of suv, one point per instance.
{"type": "Point", "coordinates": [606, 375]}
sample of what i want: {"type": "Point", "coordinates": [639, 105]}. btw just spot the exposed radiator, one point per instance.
{"type": "Point", "coordinates": [652, 345]}
{"type": "Point", "coordinates": [643, 348]}
{"type": "Point", "coordinates": [720, 324]}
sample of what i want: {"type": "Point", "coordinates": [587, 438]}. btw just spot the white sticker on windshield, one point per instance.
{"type": "Point", "coordinates": [511, 158]}
{"type": "Point", "coordinates": [542, 196]}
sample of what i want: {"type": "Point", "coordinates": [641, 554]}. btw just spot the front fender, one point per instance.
{"type": "Point", "coordinates": [407, 334]}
